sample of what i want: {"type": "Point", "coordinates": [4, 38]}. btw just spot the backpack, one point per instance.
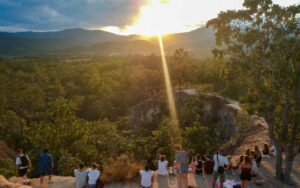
{"type": "Point", "coordinates": [24, 161]}
{"type": "Point", "coordinates": [99, 183]}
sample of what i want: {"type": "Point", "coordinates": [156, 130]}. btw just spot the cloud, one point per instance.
{"type": "Point", "coordinates": [42, 15]}
{"type": "Point", "coordinates": [61, 14]}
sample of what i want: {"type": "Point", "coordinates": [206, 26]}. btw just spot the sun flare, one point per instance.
{"type": "Point", "coordinates": [159, 18]}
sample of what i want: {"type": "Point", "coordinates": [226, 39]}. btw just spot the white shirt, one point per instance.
{"type": "Point", "coordinates": [80, 178]}
{"type": "Point", "coordinates": [93, 176]}
{"type": "Point", "coordinates": [222, 161]}
{"type": "Point", "coordinates": [146, 178]}
{"type": "Point", "coordinates": [254, 168]}
{"type": "Point", "coordinates": [19, 162]}
{"type": "Point", "coordinates": [162, 167]}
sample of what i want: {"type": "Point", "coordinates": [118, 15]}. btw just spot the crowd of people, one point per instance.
{"type": "Point", "coordinates": [217, 166]}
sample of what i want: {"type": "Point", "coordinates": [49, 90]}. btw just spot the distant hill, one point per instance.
{"type": "Point", "coordinates": [80, 35]}
{"type": "Point", "coordinates": [127, 47]}
{"type": "Point", "coordinates": [17, 46]}
{"type": "Point", "coordinates": [198, 42]}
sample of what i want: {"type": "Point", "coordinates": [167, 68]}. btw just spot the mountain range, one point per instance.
{"type": "Point", "coordinates": [97, 42]}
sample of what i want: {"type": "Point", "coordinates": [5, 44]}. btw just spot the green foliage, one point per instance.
{"type": "Point", "coordinates": [7, 167]}
{"type": "Point", "coordinates": [78, 107]}
{"type": "Point", "coordinates": [67, 163]}
{"type": "Point", "coordinates": [165, 137]}
{"type": "Point", "coordinates": [265, 36]}
{"type": "Point", "coordinates": [198, 139]}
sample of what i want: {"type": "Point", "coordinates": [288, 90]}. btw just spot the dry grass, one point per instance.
{"type": "Point", "coordinates": [121, 170]}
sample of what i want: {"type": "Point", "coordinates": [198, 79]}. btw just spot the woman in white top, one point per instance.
{"type": "Point", "coordinates": [93, 175]}
{"type": "Point", "coordinates": [162, 166]}
{"type": "Point", "coordinates": [146, 177]}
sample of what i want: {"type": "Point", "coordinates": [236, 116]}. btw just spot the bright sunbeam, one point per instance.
{"type": "Point", "coordinates": [171, 101]}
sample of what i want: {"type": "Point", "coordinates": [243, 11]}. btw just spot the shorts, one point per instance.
{"type": "Point", "coordinates": [45, 171]}
{"type": "Point", "coordinates": [23, 172]}
{"type": "Point", "coordinates": [91, 185]}
{"type": "Point", "coordinates": [183, 170]}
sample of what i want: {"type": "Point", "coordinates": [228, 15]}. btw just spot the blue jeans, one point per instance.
{"type": "Point", "coordinates": [91, 185]}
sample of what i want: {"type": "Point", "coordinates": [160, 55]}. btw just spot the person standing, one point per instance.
{"type": "Point", "coordinates": [93, 175]}
{"type": "Point", "coordinates": [46, 166]}
{"type": "Point", "coordinates": [219, 168]}
{"type": "Point", "coordinates": [80, 176]}
{"type": "Point", "coordinates": [182, 167]}
{"type": "Point", "coordinates": [23, 164]}
{"type": "Point", "coordinates": [245, 169]}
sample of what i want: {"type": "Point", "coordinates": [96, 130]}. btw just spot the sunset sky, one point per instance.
{"type": "Point", "coordinates": [118, 16]}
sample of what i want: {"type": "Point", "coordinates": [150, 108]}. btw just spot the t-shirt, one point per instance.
{"type": "Point", "coordinates": [19, 162]}
{"type": "Point", "coordinates": [182, 159]}
{"type": "Point", "coordinates": [162, 167]}
{"type": "Point", "coordinates": [45, 160]}
{"type": "Point", "coordinates": [222, 161]}
{"type": "Point", "coordinates": [80, 178]}
{"type": "Point", "coordinates": [146, 178]}
{"type": "Point", "coordinates": [93, 176]}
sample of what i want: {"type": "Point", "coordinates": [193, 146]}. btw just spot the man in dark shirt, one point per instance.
{"type": "Point", "coordinates": [45, 165]}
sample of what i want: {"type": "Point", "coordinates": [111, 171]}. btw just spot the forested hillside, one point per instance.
{"type": "Point", "coordinates": [79, 107]}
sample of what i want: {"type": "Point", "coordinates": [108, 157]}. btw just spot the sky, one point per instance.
{"type": "Point", "coordinates": [118, 16]}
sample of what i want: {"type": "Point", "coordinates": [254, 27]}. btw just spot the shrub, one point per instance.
{"type": "Point", "coordinates": [122, 169]}
{"type": "Point", "coordinates": [7, 167]}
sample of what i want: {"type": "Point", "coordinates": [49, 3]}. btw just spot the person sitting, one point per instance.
{"type": "Point", "coordinates": [194, 164]}
{"type": "Point", "coordinates": [257, 155]}
{"type": "Point", "coordinates": [162, 166]}
{"type": "Point", "coordinates": [146, 177]}
{"type": "Point", "coordinates": [245, 169]}
{"type": "Point", "coordinates": [93, 175]}
{"type": "Point", "coordinates": [266, 151]}
{"type": "Point", "coordinates": [208, 165]}
{"type": "Point", "coordinates": [81, 176]}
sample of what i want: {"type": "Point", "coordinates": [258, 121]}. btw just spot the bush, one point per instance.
{"type": "Point", "coordinates": [66, 164]}
{"type": "Point", "coordinates": [7, 167]}
{"type": "Point", "coordinates": [122, 169]}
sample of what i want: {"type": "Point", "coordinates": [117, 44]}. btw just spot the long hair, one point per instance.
{"type": "Point", "coordinates": [247, 160]}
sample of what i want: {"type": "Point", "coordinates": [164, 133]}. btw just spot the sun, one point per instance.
{"type": "Point", "coordinates": [161, 17]}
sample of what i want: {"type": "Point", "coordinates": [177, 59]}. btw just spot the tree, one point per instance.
{"type": "Point", "coordinates": [181, 69]}
{"type": "Point", "coordinates": [266, 36]}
